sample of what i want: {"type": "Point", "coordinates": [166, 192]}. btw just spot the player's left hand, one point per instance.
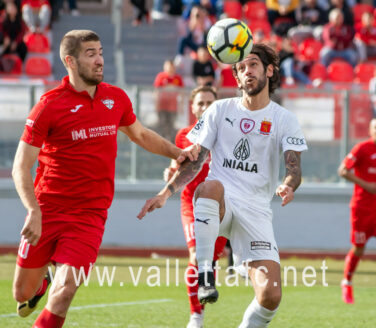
{"type": "Point", "coordinates": [190, 152]}
{"type": "Point", "coordinates": [151, 204]}
{"type": "Point", "coordinates": [286, 193]}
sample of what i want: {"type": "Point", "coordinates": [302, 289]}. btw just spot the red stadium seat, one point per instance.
{"type": "Point", "coordinates": [38, 67]}
{"type": "Point", "coordinates": [309, 50]}
{"type": "Point", "coordinates": [364, 72]}
{"type": "Point", "coordinates": [340, 71]}
{"type": "Point", "coordinates": [260, 25]}
{"type": "Point", "coordinates": [37, 43]}
{"type": "Point", "coordinates": [318, 71]}
{"type": "Point", "coordinates": [255, 10]}
{"type": "Point", "coordinates": [359, 9]}
{"type": "Point", "coordinates": [12, 65]}
{"type": "Point", "coordinates": [233, 9]}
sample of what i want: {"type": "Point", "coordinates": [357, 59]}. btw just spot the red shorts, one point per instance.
{"type": "Point", "coordinates": [188, 220]}
{"type": "Point", "coordinates": [363, 225]}
{"type": "Point", "coordinates": [72, 239]}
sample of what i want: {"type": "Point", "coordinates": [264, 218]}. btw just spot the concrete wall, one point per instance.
{"type": "Point", "coordinates": [317, 219]}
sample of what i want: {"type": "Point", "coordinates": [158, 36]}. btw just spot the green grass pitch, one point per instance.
{"type": "Point", "coordinates": [125, 305]}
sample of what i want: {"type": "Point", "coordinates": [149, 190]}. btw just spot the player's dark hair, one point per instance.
{"type": "Point", "coordinates": [268, 57]}
{"type": "Point", "coordinates": [203, 88]}
{"type": "Point", "coordinates": [70, 44]}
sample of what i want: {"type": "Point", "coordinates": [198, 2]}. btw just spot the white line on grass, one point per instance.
{"type": "Point", "coordinates": [93, 306]}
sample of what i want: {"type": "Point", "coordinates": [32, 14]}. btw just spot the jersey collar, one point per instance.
{"type": "Point", "coordinates": [66, 85]}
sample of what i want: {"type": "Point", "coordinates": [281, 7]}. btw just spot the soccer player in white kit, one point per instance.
{"type": "Point", "coordinates": [245, 137]}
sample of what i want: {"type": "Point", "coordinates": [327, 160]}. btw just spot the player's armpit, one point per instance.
{"type": "Point", "coordinates": [293, 175]}
{"type": "Point", "coordinates": [187, 171]}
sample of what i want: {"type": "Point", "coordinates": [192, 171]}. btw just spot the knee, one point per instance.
{"type": "Point", "coordinates": [270, 299]}
{"type": "Point", "coordinates": [359, 251]}
{"type": "Point", "coordinates": [21, 294]}
{"type": "Point", "coordinates": [192, 256]}
{"type": "Point", "coordinates": [212, 189]}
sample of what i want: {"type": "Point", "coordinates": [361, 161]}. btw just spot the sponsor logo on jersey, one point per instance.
{"type": "Point", "coordinates": [109, 103]}
{"type": "Point", "coordinates": [265, 127]}
{"type": "Point", "coordinates": [242, 150]}
{"type": "Point", "coordinates": [373, 156]}
{"type": "Point", "coordinates": [372, 170]}
{"type": "Point", "coordinates": [255, 245]}
{"type": "Point", "coordinates": [77, 135]}
{"type": "Point", "coordinates": [203, 220]}
{"type": "Point", "coordinates": [75, 109]}
{"type": "Point", "coordinates": [246, 125]}
{"type": "Point", "coordinates": [295, 141]}
{"type": "Point", "coordinates": [239, 165]}
{"type": "Point", "coordinates": [29, 123]}
{"type": "Point", "coordinates": [199, 124]}
{"type": "Point", "coordinates": [231, 122]}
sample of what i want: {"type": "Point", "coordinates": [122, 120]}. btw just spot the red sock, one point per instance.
{"type": "Point", "coordinates": [42, 289]}
{"type": "Point", "coordinates": [192, 290]}
{"type": "Point", "coordinates": [46, 319]}
{"type": "Point", "coordinates": [351, 261]}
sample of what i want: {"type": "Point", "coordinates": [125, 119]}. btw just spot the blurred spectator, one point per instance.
{"type": "Point", "coordinates": [203, 70]}
{"type": "Point", "coordinates": [372, 93]}
{"type": "Point", "coordinates": [226, 77]}
{"type": "Point", "coordinates": [13, 31]}
{"type": "Point", "coordinates": [338, 40]}
{"type": "Point", "coordinates": [365, 37]}
{"type": "Point", "coordinates": [281, 15]}
{"type": "Point", "coordinates": [311, 14]}
{"type": "Point", "coordinates": [36, 15]}
{"type": "Point", "coordinates": [289, 66]}
{"type": "Point", "coordinates": [348, 17]}
{"type": "Point", "coordinates": [142, 12]}
{"type": "Point", "coordinates": [208, 5]}
{"type": "Point", "coordinates": [166, 83]}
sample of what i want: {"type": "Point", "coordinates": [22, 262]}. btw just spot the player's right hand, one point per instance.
{"type": "Point", "coordinates": [32, 229]}
{"type": "Point", "coordinates": [371, 187]}
{"type": "Point", "coordinates": [151, 204]}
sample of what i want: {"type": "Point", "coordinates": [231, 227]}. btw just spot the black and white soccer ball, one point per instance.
{"type": "Point", "coordinates": [229, 41]}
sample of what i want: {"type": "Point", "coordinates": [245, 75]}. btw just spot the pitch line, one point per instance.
{"type": "Point", "coordinates": [94, 306]}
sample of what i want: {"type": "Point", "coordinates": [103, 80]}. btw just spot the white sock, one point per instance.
{"type": "Point", "coordinates": [206, 213]}
{"type": "Point", "coordinates": [256, 316]}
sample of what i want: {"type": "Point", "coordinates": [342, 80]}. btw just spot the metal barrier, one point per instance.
{"type": "Point", "coordinates": [332, 120]}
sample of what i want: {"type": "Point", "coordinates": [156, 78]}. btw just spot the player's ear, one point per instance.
{"type": "Point", "coordinates": [269, 70]}
{"type": "Point", "coordinates": [70, 61]}
{"type": "Point", "coordinates": [235, 75]}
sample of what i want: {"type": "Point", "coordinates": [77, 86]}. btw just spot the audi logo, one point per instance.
{"type": "Point", "coordinates": [295, 141]}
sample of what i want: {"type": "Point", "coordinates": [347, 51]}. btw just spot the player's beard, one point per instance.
{"type": "Point", "coordinates": [84, 74]}
{"type": "Point", "coordinates": [261, 83]}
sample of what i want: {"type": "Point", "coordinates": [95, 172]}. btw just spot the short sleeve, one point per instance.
{"type": "Point", "coordinates": [128, 117]}
{"type": "Point", "coordinates": [205, 130]}
{"type": "Point", "coordinates": [37, 125]}
{"type": "Point", "coordinates": [352, 158]}
{"type": "Point", "coordinates": [292, 134]}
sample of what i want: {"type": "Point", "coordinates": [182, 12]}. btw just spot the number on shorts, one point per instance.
{"type": "Point", "coordinates": [189, 232]}
{"type": "Point", "coordinates": [24, 248]}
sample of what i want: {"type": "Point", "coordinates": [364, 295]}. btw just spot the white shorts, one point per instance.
{"type": "Point", "coordinates": [250, 230]}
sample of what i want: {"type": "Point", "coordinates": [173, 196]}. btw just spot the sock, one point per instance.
{"type": "Point", "coordinates": [192, 290]}
{"type": "Point", "coordinates": [256, 316]}
{"type": "Point", "coordinates": [206, 213]}
{"type": "Point", "coordinates": [42, 289]}
{"type": "Point", "coordinates": [46, 319]}
{"type": "Point", "coordinates": [351, 262]}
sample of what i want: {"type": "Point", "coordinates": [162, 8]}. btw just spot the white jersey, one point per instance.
{"type": "Point", "coordinates": [246, 146]}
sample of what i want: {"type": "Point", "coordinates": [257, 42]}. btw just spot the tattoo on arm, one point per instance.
{"type": "Point", "coordinates": [293, 175]}
{"type": "Point", "coordinates": [187, 171]}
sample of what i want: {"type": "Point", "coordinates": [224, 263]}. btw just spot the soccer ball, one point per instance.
{"type": "Point", "coordinates": [229, 40]}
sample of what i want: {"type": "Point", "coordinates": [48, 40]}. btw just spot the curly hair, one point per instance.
{"type": "Point", "coordinates": [268, 57]}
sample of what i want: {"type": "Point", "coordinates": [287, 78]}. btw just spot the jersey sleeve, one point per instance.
{"type": "Point", "coordinates": [292, 134]}
{"type": "Point", "coordinates": [128, 117]}
{"type": "Point", "coordinates": [352, 158]}
{"type": "Point", "coordinates": [37, 125]}
{"type": "Point", "coordinates": [205, 130]}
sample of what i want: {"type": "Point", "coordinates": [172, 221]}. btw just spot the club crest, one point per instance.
{"type": "Point", "coordinates": [109, 103]}
{"type": "Point", "coordinates": [247, 125]}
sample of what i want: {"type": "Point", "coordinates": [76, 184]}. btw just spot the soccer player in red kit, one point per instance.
{"type": "Point", "coordinates": [201, 98]}
{"type": "Point", "coordinates": [72, 132]}
{"type": "Point", "coordinates": [359, 167]}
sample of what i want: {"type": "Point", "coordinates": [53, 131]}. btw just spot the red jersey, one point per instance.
{"type": "Point", "coordinates": [362, 158]}
{"type": "Point", "coordinates": [35, 3]}
{"type": "Point", "coordinates": [77, 135]}
{"type": "Point", "coordinates": [182, 142]}
{"type": "Point", "coordinates": [366, 34]}
{"type": "Point", "coordinates": [167, 100]}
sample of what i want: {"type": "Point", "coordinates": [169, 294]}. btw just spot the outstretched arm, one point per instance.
{"type": "Point", "coordinates": [292, 178]}
{"type": "Point", "coordinates": [186, 172]}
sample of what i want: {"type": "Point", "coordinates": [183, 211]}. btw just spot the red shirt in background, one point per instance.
{"type": "Point", "coordinates": [362, 158]}
{"type": "Point", "coordinates": [167, 100]}
{"type": "Point", "coordinates": [35, 3]}
{"type": "Point", "coordinates": [365, 34]}
{"type": "Point", "coordinates": [77, 135]}
{"type": "Point", "coordinates": [337, 37]}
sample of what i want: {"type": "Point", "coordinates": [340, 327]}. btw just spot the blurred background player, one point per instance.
{"type": "Point", "coordinates": [201, 98]}
{"type": "Point", "coordinates": [72, 131]}
{"type": "Point", "coordinates": [245, 136]}
{"type": "Point", "coordinates": [359, 167]}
